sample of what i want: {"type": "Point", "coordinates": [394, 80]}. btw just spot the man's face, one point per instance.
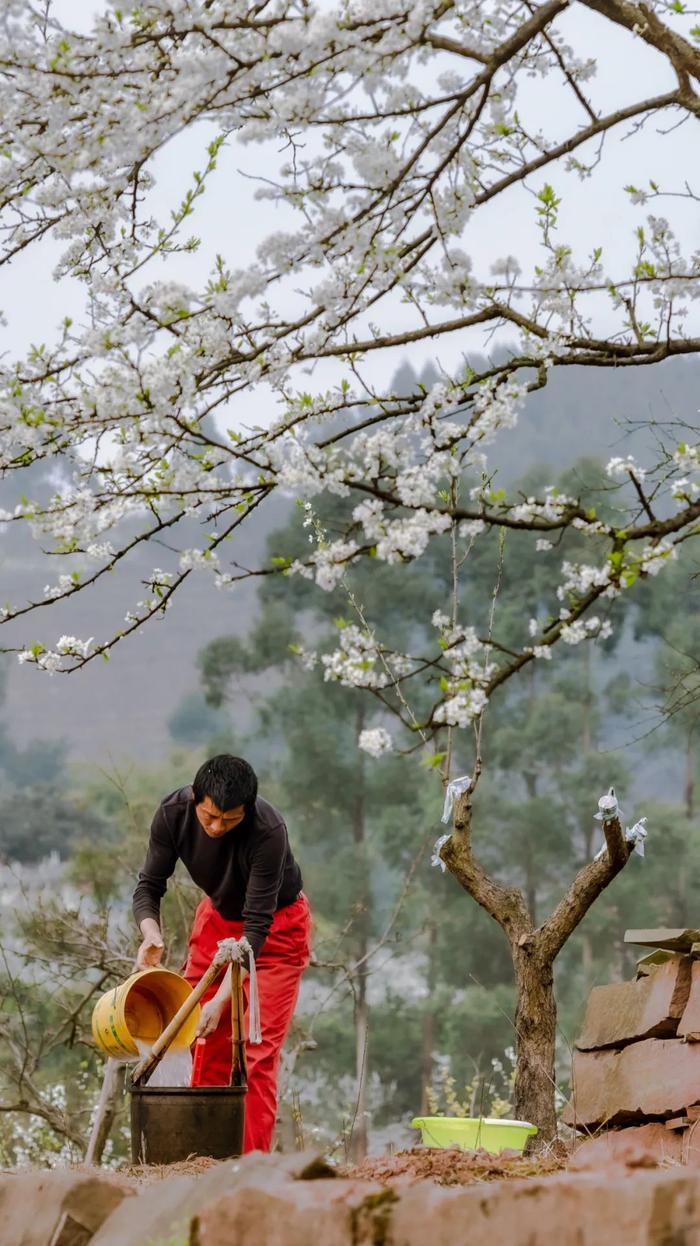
{"type": "Point", "coordinates": [216, 823]}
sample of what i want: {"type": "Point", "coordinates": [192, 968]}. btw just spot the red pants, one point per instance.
{"type": "Point", "coordinates": [282, 961]}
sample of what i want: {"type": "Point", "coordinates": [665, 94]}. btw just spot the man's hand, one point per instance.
{"type": "Point", "coordinates": [150, 952]}
{"type": "Point", "coordinates": [210, 1017]}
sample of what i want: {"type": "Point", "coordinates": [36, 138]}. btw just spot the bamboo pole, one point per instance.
{"type": "Point", "coordinates": [235, 1027]}
{"type": "Point", "coordinates": [238, 1062]}
{"type": "Point", "coordinates": [241, 1013]}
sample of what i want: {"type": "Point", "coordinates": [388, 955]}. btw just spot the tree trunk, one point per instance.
{"type": "Point", "coordinates": [359, 1141]}
{"type": "Point", "coordinates": [429, 1024]}
{"type": "Point", "coordinates": [360, 1131]}
{"type": "Point", "coordinates": [689, 788]}
{"type": "Point", "coordinates": [535, 1029]}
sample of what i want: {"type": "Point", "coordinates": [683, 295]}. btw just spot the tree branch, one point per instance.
{"type": "Point", "coordinates": [506, 905]}
{"type": "Point", "coordinates": [584, 891]}
{"type": "Point", "coordinates": [640, 19]}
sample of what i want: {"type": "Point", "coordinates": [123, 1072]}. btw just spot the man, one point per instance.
{"type": "Point", "coordinates": [234, 845]}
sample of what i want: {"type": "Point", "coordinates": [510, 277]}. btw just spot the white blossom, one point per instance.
{"type": "Point", "coordinates": [581, 577]}
{"type": "Point", "coordinates": [461, 709]}
{"type": "Point", "coordinates": [355, 663]}
{"type": "Point", "coordinates": [618, 467]}
{"type": "Point", "coordinates": [687, 458]}
{"type": "Point", "coordinates": [376, 741]}
{"type": "Point", "coordinates": [653, 557]}
{"type": "Point", "coordinates": [199, 560]}
{"type": "Point", "coordinates": [471, 527]}
{"type": "Point", "coordinates": [583, 629]}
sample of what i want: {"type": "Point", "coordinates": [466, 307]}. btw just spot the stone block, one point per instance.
{"type": "Point", "coordinates": [59, 1208]}
{"type": "Point", "coordinates": [638, 1146]}
{"type": "Point", "coordinates": [160, 1210]}
{"type": "Point", "coordinates": [689, 1026]}
{"type": "Point", "coordinates": [297, 1213]}
{"type": "Point", "coordinates": [647, 1208]}
{"type": "Point", "coordinates": [654, 1078]}
{"type": "Point", "coordinates": [626, 1012]}
{"type": "Point", "coordinates": [257, 1201]}
{"type": "Point", "coordinates": [675, 940]}
{"type": "Point", "coordinates": [170, 1208]}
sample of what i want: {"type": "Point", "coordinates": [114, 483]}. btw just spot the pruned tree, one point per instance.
{"type": "Point", "coordinates": [403, 127]}
{"type": "Point", "coordinates": [534, 950]}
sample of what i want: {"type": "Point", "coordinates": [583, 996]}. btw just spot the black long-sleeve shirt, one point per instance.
{"type": "Point", "coordinates": [248, 873]}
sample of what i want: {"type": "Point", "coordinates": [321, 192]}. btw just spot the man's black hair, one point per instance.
{"type": "Point", "coordinates": [227, 781]}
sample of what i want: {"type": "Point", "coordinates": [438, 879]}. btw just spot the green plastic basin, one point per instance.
{"type": "Point", "coordinates": [469, 1133]}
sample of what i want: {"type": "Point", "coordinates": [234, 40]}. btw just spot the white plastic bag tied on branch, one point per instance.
{"type": "Point", "coordinates": [609, 811]}
{"type": "Point", "coordinates": [454, 789]}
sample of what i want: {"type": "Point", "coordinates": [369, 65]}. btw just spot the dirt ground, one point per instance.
{"type": "Point", "coordinates": [455, 1167]}
{"type": "Point", "coordinates": [145, 1173]}
{"type": "Point", "coordinates": [445, 1167]}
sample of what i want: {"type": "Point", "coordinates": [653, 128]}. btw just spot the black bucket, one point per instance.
{"type": "Point", "coordinates": [171, 1123]}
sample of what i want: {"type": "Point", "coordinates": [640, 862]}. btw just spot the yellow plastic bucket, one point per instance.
{"type": "Point", "coordinates": [141, 1008]}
